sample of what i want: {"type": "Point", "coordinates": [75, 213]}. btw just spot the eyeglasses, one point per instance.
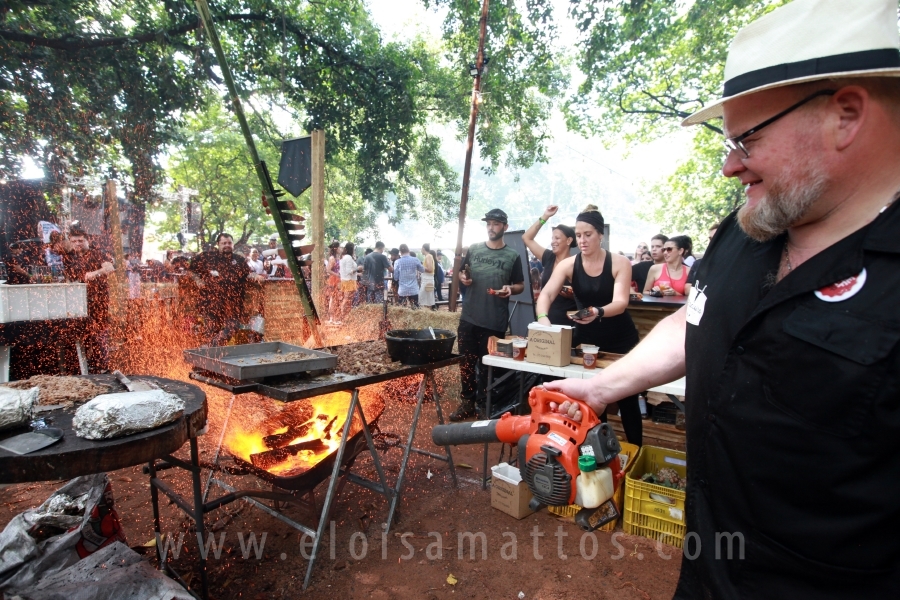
{"type": "Point", "coordinates": [668, 249]}
{"type": "Point", "coordinates": [737, 143]}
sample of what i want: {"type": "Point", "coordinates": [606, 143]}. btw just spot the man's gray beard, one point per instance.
{"type": "Point", "coordinates": [783, 206]}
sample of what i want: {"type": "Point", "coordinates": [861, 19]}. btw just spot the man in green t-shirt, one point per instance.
{"type": "Point", "coordinates": [493, 272]}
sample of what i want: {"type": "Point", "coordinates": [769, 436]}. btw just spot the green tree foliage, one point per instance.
{"type": "Point", "coordinates": [212, 159]}
{"type": "Point", "coordinates": [86, 84]}
{"type": "Point", "coordinates": [89, 84]}
{"type": "Point", "coordinates": [696, 196]}
{"type": "Point", "coordinates": [648, 65]}
{"type": "Point", "coordinates": [525, 77]}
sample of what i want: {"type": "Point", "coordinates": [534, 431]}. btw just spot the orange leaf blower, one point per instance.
{"type": "Point", "coordinates": [549, 445]}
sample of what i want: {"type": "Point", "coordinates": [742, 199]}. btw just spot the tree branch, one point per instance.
{"type": "Point", "coordinates": [669, 111]}
{"type": "Point", "coordinates": [74, 43]}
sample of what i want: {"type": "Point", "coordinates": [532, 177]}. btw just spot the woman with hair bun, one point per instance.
{"type": "Point", "coordinates": [562, 241]}
{"type": "Point", "coordinates": [601, 281]}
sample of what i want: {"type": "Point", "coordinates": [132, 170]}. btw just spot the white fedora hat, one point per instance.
{"type": "Point", "coordinates": [808, 40]}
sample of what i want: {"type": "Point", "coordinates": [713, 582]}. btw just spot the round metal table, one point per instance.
{"type": "Point", "coordinates": [73, 456]}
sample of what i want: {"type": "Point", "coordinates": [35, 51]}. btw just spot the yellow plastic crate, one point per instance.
{"type": "Point", "coordinates": [629, 450]}
{"type": "Point", "coordinates": [655, 511]}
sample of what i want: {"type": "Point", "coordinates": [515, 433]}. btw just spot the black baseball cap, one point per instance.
{"type": "Point", "coordinates": [495, 214]}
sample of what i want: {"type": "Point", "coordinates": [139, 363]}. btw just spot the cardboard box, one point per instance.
{"type": "Point", "coordinates": [508, 492]}
{"type": "Point", "coordinates": [549, 344]}
{"type": "Point", "coordinates": [503, 347]}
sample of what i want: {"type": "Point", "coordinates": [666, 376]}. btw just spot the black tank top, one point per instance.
{"type": "Point", "coordinates": [611, 334]}
{"type": "Point", "coordinates": [560, 306]}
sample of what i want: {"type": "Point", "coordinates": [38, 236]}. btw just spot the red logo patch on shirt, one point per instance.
{"type": "Point", "coordinates": [842, 290]}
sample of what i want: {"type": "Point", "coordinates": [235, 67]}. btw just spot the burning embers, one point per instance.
{"type": "Point", "coordinates": [299, 434]}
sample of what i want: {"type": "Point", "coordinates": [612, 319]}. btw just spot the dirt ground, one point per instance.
{"type": "Point", "coordinates": [539, 556]}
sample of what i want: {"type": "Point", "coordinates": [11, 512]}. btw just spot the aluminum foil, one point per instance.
{"type": "Point", "coordinates": [114, 415]}
{"type": "Point", "coordinates": [16, 406]}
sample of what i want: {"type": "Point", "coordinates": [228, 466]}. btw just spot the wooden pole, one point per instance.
{"type": "Point", "coordinates": [317, 216]}
{"type": "Point", "coordinates": [473, 116]}
{"type": "Point", "coordinates": [117, 279]}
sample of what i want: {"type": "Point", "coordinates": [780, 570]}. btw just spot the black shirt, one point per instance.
{"type": "Point", "coordinates": [561, 305]}
{"type": "Point", "coordinates": [374, 266]}
{"type": "Point", "coordinates": [639, 273]}
{"type": "Point", "coordinates": [793, 419]}
{"type": "Point", "coordinates": [611, 334]}
{"type": "Point", "coordinates": [76, 266]}
{"type": "Point", "coordinates": [225, 281]}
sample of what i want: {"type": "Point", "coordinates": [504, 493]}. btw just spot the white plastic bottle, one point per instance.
{"type": "Point", "coordinates": [593, 486]}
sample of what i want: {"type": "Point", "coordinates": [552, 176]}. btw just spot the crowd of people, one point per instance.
{"type": "Point", "coordinates": [400, 276]}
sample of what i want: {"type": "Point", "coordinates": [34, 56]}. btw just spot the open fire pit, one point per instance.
{"type": "Point", "coordinates": [304, 438]}
{"type": "Point", "coordinates": [295, 448]}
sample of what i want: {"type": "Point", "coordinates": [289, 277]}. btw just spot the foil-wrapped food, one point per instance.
{"type": "Point", "coordinates": [114, 415]}
{"type": "Point", "coordinates": [16, 406]}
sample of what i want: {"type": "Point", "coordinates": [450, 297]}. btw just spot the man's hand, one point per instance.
{"type": "Point", "coordinates": [577, 389]}
{"type": "Point", "coordinates": [504, 292]}
{"type": "Point", "coordinates": [463, 279]}
{"type": "Point", "coordinates": [90, 276]}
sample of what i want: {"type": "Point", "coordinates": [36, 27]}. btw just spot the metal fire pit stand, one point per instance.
{"type": "Point", "coordinates": [340, 474]}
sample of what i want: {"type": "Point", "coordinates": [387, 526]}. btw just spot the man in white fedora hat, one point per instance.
{"type": "Point", "coordinates": [789, 340]}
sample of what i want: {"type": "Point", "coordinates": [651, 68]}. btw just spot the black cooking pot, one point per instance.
{"type": "Point", "coordinates": [417, 347]}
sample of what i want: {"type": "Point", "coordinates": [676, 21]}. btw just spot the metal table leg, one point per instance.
{"type": "Point", "coordinates": [408, 448]}
{"type": "Point", "coordinates": [218, 447]}
{"type": "Point", "coordinates": [335, 476]}
{"type": "Point", "coordinates": [82, 361]}
{"type": "Point", "coordinates": [678, 404]}
{"type": "Point", "coordinates": [490, 382]}
{"type": "Point", "coordinates": [4, 364]}
{"type": "Point", "coordinates": [199, 511]}
{"type": "Point", "coordinates": [195, 512]}
{"type": "Point", "coordinates": [420, 397]}
{"type": "Point", "coordinates": [440, 416]}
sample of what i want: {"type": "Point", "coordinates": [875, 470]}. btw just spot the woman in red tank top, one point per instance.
{"type": "Point", "coordinates": [671, 277]}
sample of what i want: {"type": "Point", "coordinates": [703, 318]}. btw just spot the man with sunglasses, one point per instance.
{"type": "Point", "coordinates": [790, 340]}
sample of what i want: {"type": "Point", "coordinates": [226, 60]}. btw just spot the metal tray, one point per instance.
{"type": "Point", "coordinates": [242, 362]}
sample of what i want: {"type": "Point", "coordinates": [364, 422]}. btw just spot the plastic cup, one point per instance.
{"type": "Point", "coordinates": [519, 349]}
{"type": "Point", "coordinates": [589, 354]}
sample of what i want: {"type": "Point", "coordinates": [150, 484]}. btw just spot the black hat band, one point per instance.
{"type": "Point", "coordinates": [865, 60]}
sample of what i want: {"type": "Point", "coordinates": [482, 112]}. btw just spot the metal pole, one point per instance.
{"type": "Point", "coordinates": [476, 89]}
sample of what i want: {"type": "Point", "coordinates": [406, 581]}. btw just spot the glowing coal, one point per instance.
{"type": "Point", "coordinates": [296, 436]}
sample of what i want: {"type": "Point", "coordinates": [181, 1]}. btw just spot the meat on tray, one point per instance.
{"type": "Point", "coordinates": [280, 358]}
{"type": "Point", "coordinates": [59, 389]}
{"type": "Point", "coordinates": [365, 358]}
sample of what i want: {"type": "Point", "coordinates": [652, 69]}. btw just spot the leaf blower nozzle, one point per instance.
{"type": "Point", "coordinates": [479, 432]}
